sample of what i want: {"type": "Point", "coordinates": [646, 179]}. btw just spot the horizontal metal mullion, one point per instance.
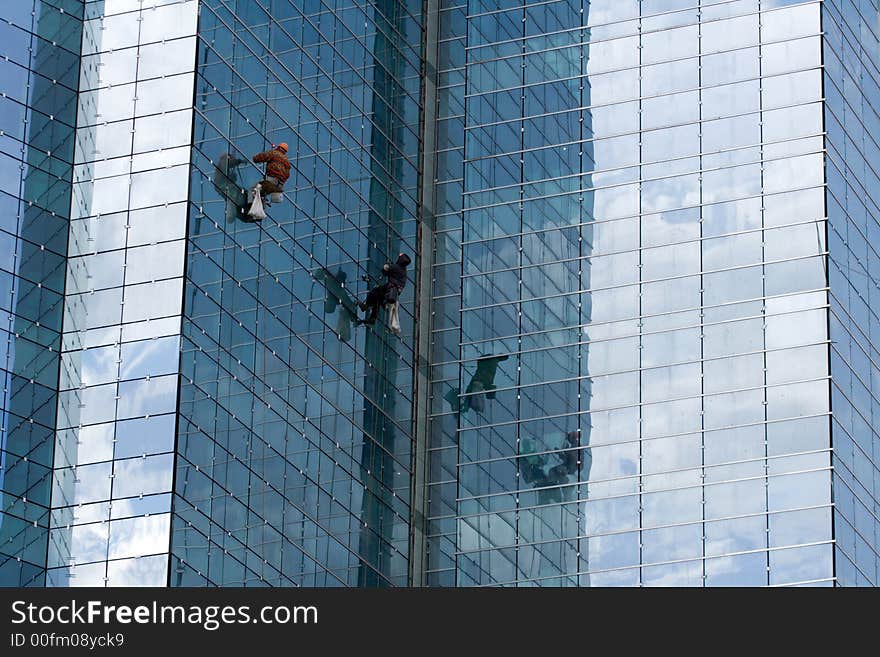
{"type": "Point", "coordinates": [640, 566]}
{"type": "Point", "coordinates": [605, 254]}
{"type": "Point", "coordinates": [617, 532]}
{"type": "Point", "coordinates": [663, 314]}
{"type": "Point", "coordinates": [640, 492]}
{"type": "Point", "coordinates": [605, 221]}
{"type": "Point", "coordinates": [584, 75]}
{"type": "Point", "coordinates": [640, 165]}
{"type": "Point", "coordinates": [523, 300]}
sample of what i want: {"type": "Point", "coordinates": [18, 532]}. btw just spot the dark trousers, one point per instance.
{"type": "Point", "coordinates": [375, 298]}
{"type": "Point", "coordinates": [268, 186]}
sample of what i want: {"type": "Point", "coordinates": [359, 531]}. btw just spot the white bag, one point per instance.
{"type": "Point", "coordinates": [256, 210]}
{"type": "Point", "coordinates": [393, 319]}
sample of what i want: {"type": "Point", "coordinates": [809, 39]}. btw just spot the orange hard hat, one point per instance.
{"type": "Point", "coordinates": [283, 146]}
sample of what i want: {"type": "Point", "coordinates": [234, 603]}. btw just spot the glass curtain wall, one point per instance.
{"type": "Point", "coordinates": [114, 451]}
{"type": "Point", "coordinates": [643, 396]}
{"type": "Point", "coordinates": [39, 71]}
{"type": "Point", "coordinates": [442, 446]}
{"type": "Point", "coordinates": [852, 93]}
{"type": "Point", "coordinates": [651, 285]}
{"type": "Point", "coordinates": [295, 430]}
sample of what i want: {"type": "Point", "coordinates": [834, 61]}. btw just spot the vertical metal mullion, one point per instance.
{"type": "Point", "coordinates": [581, 542]}
{"type": "Point", "coordinates": [122, 307]}
{"type": "Point", "coordinates": [827, 258]}
{"type": "Point", "coordinates": [763, 298]}
{"type": "Point", "coordinates": [522, 114]}
{"type": "Point", "coordinates": [19, 226]}
{"type": "Point", "coordinates": [702, 300]}
{"type": "Point", "coordinates": [259, 288]}
{"type": "Point", "coordinates": [641, 321]}
{"type": "Point", "coordinates": [419, 544]}
{"type": "Point", "coordinates": [458, 457]}
{"type": "Point", "coordinates": [184, 273]}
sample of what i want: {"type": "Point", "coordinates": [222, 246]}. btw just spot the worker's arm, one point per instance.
{"type": "Point", "coordinates": [386, 270]}
{"type": "Point", "coordinates": [262, 157]}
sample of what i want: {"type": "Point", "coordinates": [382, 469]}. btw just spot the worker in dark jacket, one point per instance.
{"type": "Point", "coordinates": [277, 169]}
{"type": "Point", "coordinates": [388, 292]}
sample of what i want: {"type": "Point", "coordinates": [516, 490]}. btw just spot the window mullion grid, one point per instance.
{"type": "Point", "coordinates": [460, 390]}
{"type": "Point", "coordinates": [519, 282]}
{"type": "Point", "coordinates": [585, 245]}
{"type": "Point", "coordinates": [702, 300]}
{"type": "Point", "coordinates": [641, 322]}
{"type": "Point", "coordinates": [764, 294]}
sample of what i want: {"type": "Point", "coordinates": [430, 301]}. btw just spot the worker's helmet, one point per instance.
{"type": "Point", "coordinates": [282, 147]}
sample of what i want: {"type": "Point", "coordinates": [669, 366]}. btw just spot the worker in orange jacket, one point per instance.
{"type": "Point", "coordinates": [277, 169]}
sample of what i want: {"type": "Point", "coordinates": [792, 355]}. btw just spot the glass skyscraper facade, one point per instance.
{"type": "Point", "coordinates": [638, 337]}
{"type": "Point", "coordinates": [638, 197]}
{"type": "Point", "coordinates": [206, 413]}
{"type": "Point", "coordinates": [852, 165]}
{"type": "Point", "coordinates": [295, 439]}
{"type": "Point", "coordinates": [39, 79]}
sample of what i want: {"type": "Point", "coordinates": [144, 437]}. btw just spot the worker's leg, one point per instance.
{"type": "Point", "coordinates": [269, 186]}
{"type": "Point", "coordinates": [374, 297]}
{"type": "Point", "coordinates": [371, 318]}
{"type": "Point", "coordinates": [374, 314]}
